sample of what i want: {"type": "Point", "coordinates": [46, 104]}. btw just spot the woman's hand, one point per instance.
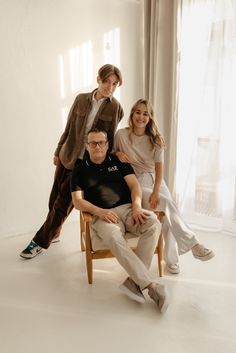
{"type": "Point", "coordinates": [154, 200]}
{"type": "Point", "coordinates": [123, 157]}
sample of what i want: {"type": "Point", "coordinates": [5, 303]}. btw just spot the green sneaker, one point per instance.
{"type": "Point", "coordinates": [31, 251]}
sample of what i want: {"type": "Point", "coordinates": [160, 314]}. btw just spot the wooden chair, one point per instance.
{"type": "Point", "coordinates": [86, 245]}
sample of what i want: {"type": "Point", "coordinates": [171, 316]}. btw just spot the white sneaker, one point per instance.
{"type": "Point", "coordinates": [173, 268]}
{"type": "Point", "coordinates": [201, 253]}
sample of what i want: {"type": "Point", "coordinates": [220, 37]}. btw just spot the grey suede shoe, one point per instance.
{"type": "Point", "coordinates": [159, 294]}
{"type": "Point", "coordinates": [132, 290]}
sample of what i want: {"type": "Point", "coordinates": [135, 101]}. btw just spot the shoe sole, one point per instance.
{"type": "Point", "coordinates": [30, 256]}
{"type": "Point", "coordinates": [56, 240]}
{"type": "Point", "coordinates": [173, 272]}
{"type": "Point", "coordinates": [204, 258]}
{"type": "Point", "coordinates": [164, 306]}
{"type": "Point", "coordinates": [131, 295]}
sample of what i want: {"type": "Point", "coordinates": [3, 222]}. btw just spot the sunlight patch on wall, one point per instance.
{"type": "Point", "coordinates": [111, 49]}
{"type": "Point", "coordinates": [80, 65]}
{"type": "Point", "coordinates": [61, 76]}
{"type": "Point", "coordinates": [75, 74]}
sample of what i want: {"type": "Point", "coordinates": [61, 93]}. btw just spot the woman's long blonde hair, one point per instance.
{"type": "Point", "coordinates": [151, 129]}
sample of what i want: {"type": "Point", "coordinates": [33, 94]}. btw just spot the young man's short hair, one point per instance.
{"type": "Point", "coordinates": [107, 70]}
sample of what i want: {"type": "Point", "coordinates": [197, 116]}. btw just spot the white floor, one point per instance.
{"type": "Point", "coordinates": [46, 304]}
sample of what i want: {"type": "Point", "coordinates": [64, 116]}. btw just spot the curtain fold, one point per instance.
{"type": "Point", "coordinates": [160, 59]}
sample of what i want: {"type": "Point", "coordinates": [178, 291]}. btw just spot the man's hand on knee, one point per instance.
{"type": "Point", "coordinates": [108, 216]}
{"type": "Point", "coordinates": [139, 215]}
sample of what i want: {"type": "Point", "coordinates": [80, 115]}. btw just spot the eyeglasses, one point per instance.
{"type": "Point", "coordinates": [93, 144]}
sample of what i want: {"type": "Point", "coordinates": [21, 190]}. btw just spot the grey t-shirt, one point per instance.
{"type": "Point", "coordinates": [139, 150]}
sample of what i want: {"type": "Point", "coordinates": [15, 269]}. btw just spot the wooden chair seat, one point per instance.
{"type": "Point", "coordinates": [102, 253]}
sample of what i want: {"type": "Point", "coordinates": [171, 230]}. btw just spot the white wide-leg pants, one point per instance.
{"type": "Point", "coordinates": [179, 238]}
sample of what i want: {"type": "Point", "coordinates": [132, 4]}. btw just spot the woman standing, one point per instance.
{"type": "Point", "coordinates": [142, 145]}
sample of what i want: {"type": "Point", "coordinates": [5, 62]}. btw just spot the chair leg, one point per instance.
{"type": "Point", "coordinates": [160, 254]}
{"type": "Point", "coordinates": [82, 230]}
{"type": "Point", "coordinates": [160, 247]}
{"type": "Point", "coordinates": [89, 259]}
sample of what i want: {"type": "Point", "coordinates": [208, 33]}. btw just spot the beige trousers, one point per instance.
{"type": "Point", "coordinates": [135, 264]}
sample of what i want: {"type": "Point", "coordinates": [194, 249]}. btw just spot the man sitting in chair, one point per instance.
{"type": "Point", "coordinates": [109, 190]}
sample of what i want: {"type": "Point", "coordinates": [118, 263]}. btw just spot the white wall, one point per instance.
{"type": "Point", "coordinates": [50, 51]}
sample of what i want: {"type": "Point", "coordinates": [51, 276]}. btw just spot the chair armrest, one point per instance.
{"type": "Point", "coordinates": [87, 217]}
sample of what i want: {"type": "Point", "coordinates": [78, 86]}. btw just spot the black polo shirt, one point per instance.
{"type": "Point", "coordinates": [103, 184]}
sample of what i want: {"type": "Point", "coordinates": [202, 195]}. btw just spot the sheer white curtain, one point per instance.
{"type": "Point", "coordinates": [206, 137]}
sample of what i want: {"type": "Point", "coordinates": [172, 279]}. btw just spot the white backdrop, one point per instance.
{"type": "Point", "coordinates": [50, 51]}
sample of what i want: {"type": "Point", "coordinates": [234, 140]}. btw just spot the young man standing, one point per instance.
{"type": "Point", "coordinates": [95, 109]}
{"type": "Point", "coordinates": [109, 190]}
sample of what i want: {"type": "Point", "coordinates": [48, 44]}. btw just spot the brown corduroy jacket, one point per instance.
{"type": "Point", "coordinates": [71, 142]}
